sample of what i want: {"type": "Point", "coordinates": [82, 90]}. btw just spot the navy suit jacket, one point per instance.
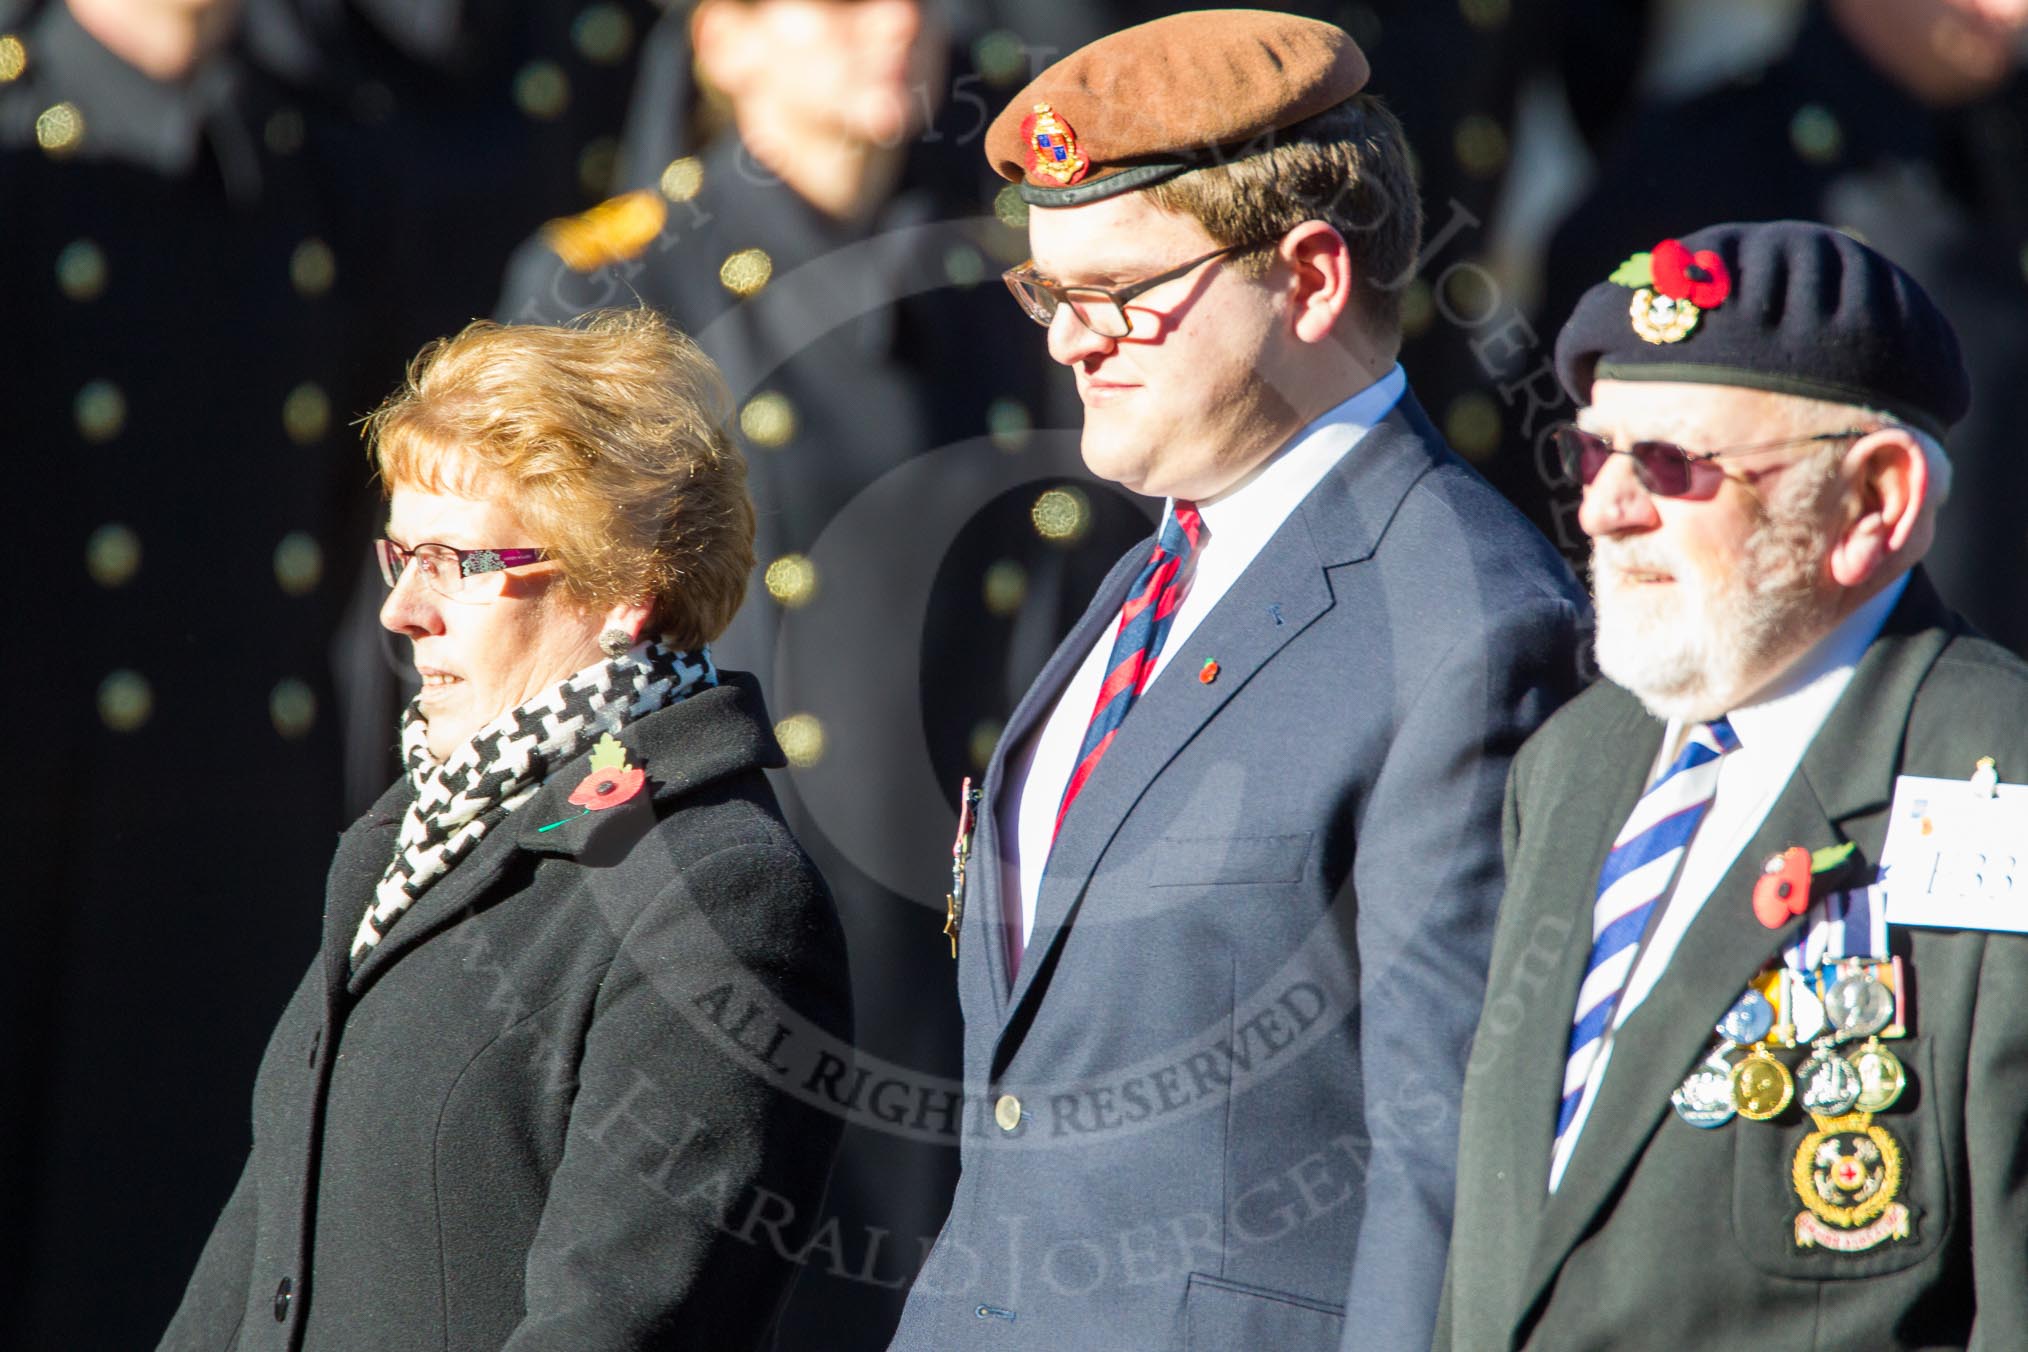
{"type": "Point", "coordinates": [1232, 1054]}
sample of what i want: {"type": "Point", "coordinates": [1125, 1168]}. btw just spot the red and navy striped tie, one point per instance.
{"type": "Point", "coordinates": [1144, 624]}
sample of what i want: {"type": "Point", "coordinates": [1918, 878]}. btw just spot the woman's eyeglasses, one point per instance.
{"type": "Point", "coordinates": [1664, 468]}
{"type": "Point", "coordinates": [468, 574]}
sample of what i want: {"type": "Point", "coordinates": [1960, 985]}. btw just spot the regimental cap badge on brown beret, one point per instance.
{"type": "Point", "coordinates": [1150, 102]}
{"type": "Point", "coordinates": [1052, 147]}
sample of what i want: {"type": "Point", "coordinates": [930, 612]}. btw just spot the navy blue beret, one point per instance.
{"type": "Point", "coordinates": [1789, 306]}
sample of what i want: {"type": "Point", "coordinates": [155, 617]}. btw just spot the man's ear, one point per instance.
{"type": "Point", "coordinates": [1320, 265]}
{"type": "Point", "coordinates": [1887, 496]}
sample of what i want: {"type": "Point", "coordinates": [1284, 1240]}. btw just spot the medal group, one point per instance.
{"type": "Point", "coordinates": [1847, 1172]}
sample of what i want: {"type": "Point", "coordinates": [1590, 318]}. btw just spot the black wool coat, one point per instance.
{"type": "Point", "coordinates": [559, 1105]}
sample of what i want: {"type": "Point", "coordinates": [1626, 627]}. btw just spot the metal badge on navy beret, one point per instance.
{"type": "Point", "coordinates": [1793, 307]}
{"type": "Point", "coordinates": [1672, 289]}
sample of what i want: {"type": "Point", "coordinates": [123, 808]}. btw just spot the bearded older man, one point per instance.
{"type": "Point", "coordinates": [1716, 1098]}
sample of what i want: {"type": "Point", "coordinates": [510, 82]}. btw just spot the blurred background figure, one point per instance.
{"type": "Point", "coordinates": [806, 196]}
{"type": "Point", "coordinates": [178, 364]}
{"type": "Point", "coordinates": [210, 264]}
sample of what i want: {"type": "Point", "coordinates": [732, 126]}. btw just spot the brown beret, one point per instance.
{"type": "Point", "coordinates": [1149, 102]}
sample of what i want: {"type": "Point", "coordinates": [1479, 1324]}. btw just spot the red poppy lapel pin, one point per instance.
{"type": "Point", "coordinates": [1783, 888]}
{"type": "Point", "coordinates": [611, 782]}
{"type": "Point", "coordinates": [1673, 287]}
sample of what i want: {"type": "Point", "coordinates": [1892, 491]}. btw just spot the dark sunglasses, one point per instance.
{"type": "Point", "coordinates": [1664, 468]}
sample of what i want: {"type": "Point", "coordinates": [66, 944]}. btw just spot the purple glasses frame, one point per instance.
{"type": "Point", "coordinates": [393, 559]}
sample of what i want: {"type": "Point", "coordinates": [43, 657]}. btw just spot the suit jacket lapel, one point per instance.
{"type": "Point", "coordinates": [1572, 804]}
{"type": "Point", "coordinates": [1042, 695]}
{"type": "Point", "coordinates": [1523, 1070]}
{"type": "Point", "coordinates": [1722, 950]}
{"type": "Point", "coordinates": [1280, 594]}
{"type": "Point", "coordinates": [1243, 633]}
{"type": "Point", "coordinates": [1848, 771]}
{"type": "Point", "coordinates": [982, 928]}
{"type": "Point", "coordinates": [1854, 760]}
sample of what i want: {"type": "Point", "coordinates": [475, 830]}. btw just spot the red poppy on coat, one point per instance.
{"type": "Point", "coordinates": [1783, 888]}
{"type": "Point", "coordinates": [1700, 278]}
{"type": "Point", "coordinates": [608, 788]}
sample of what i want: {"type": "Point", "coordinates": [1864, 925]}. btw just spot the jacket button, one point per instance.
{"type": "Point", "coordinates": [282, 1294]}
{"type": "Point", "coordinates": [1007, 1112]}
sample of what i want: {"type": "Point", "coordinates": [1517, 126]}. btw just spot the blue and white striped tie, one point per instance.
{"type": "Point", "coordinates": [1637, 873]}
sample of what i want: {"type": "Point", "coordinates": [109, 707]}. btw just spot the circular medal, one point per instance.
{"type": "Point", "coordinates": [1858, 1005]}
{"type": "Point", "coordinates": [1704, 1099]}
{"type": "Point", "coordinates": [1806, 1011]}
{"type": "Point", "coordinates": [1830, 1083]}
{"type": "Point", "coordinates": [1748, 1020]}
{"type": "Point", "coordinates": [1761, 1086]}
{"type": "Point", "coordinates": [1881, 1077]}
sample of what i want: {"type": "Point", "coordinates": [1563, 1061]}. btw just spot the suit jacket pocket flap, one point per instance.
{"type": "Point", "coordinates": [1220, 1315]}
{"type": "Point", "coordinates": [1179, 861]}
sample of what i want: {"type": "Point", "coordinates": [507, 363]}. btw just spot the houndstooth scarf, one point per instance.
{"type": "Point", "coordinates": [459, 800]}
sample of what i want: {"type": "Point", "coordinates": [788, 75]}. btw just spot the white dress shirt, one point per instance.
{"type": "Point", "coordinates": [1773, 733]}
{"type": "Point", "coordinates": [1236, 527]}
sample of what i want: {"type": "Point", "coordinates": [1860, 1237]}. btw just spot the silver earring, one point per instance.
{"type": "Point", "coordinates": [615, 642]}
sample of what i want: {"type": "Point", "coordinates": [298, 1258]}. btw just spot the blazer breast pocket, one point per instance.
{"type": "Point", "coordinates": [1195, 861]}
{"type": "Point", "coordinates": [1862, 1197]}
{"type": "Point", "coordinates": [1220, 1316]}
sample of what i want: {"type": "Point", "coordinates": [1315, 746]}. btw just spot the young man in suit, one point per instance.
{"type": "Point", "coordinates": [1225, 914]}
{"type": "Point", "coordinates": [1722, 1096]}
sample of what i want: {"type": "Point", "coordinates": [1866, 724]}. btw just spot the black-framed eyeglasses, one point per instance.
{"type": "Point", "coordinates": [1664, 468]}
{"type": "Point", "coordinates": [1102, 309]}
{"type": "Point", "coordinates": [464, 573]}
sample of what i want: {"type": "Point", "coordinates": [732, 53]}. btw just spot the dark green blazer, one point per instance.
{"type": "Point", "coordinates": [1666, 1236]}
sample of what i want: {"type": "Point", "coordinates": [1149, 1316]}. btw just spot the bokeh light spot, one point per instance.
{"type": "Point", "coordinates": [113, 555]}
{"type": "Point", "coordinates": [1062, 516]}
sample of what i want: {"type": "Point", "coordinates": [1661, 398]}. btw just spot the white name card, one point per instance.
{"type": "Point", "coordinates": [1956, 856]}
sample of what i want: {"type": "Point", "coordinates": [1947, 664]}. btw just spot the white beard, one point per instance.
{"type": "Point", "coordinates": [1693, 649]}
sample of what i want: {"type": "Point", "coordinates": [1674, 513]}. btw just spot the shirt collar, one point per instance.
{"type": "Point", "coordinates": [1787, 716]}
{"type": "Point", "coordinates": [1266, 495]}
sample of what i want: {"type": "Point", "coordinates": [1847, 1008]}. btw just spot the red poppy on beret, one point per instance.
{"type": "Point", "coordinates": [1700, 278]}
